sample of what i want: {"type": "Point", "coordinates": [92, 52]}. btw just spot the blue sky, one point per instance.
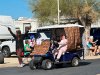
{"type": "Point", "coordinates": [15, 8]}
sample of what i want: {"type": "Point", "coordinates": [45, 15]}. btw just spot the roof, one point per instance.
{"type": "Point", "coordinates": [60, 26]}
{"type": "Point", "coordinates": [6, 20]}
{"type": "Point", "coordinates": [95, 26]}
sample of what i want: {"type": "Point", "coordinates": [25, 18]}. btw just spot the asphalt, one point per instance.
{"type": "Point", "coordinates": [13, 61]}
{"type": "Point", "coordinates": [86, 67]}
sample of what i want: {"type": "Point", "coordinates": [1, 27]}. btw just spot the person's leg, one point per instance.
{"type": "Point", "coordinates": [19, 51]}
{"type": "Point", "coordinates": [27, 57]}
{"type": "Point", "coordinates": [55, 53]}
{"type": "Point", "coordinates": [94, 49]}
{"type": "Point", "coordinates": [98, 50]}
{"type": "Point", "coordinates": [91, 52]}
{"type": "Point", "coordinates": [61, 51]}
{"type": "Point", "coordinates": [59, 54]}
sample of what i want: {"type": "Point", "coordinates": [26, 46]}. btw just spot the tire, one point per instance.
{"type": "Point", "coordinates": [1, 58]}
{"type": "Point", "coordinates": [32, 65]}
{"type": "Point", "coordinates": [75, 61]}
{"type": "Point", "coordinates": [47, 64]}
{"type": "Point", "coordinates": [6, 51]}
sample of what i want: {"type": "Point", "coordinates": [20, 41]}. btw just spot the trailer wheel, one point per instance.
{"type": "Point", "coordinates": [32, 65]}
{"type": "Point", "coordinates": [1, 58]}
{"type": "Point", "coordinates": [75, 61]}
{"type": "Point", "coordinates": [6, 51]}
{"type": "Point", "coordinates": [47, 64]}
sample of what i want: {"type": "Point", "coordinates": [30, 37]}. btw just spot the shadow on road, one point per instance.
{"type": "Point", "coordinates": [84, 63]}
{"type": "Point", "coordinates": [57, 66]}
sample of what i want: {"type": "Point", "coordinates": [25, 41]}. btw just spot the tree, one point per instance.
{"type": "Point", "coordinates": [46, 11]}
{"type": "Point", "coordinates": [86, 11]}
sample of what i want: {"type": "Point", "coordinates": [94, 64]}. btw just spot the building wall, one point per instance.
{"type": "Point", "coordinates": [6, 20]}
{"type": "Point", "coordinates": [21, 24]}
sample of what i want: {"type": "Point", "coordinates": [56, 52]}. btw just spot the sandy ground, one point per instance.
{"type": "Point", "coordinates": [13, 61]}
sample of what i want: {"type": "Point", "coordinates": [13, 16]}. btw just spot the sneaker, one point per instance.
{"type": "Point", "coordinates": [57, 60]}
{"type": "Point", "coordinates": [98, 53]}
{"type": "Point", "coordinates": [21, 65]}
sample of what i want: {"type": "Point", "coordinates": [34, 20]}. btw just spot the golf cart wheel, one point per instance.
{"type": "Point", "coordinates": [1, 58]}
{"type": "Point", "coordinates": [75, 61]}
{"type": "Point", "coordinates": [32, 65]}
{"type": "Point", "coordinates": [47, 64]}
{"type": "Point", "coordinates": [6, 51]}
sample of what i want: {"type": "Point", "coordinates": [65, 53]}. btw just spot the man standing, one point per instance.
{"type": "Point", "coordinates": [19, 44]}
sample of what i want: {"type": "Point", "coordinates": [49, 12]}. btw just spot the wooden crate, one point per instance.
{"type": "Point", "coordinates": [73, 36]}
{"type": "Point", "coordinates": [41, 49]}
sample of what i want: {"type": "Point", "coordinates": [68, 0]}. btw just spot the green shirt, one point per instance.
{"type": "Point", "coordinates": [25, 50]}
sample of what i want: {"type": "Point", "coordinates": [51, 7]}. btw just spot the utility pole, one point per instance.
{"type": "Point", "coordinates": [58, 11]}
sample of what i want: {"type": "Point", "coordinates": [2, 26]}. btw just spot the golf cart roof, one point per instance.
{"type": "Point", "coordinates": [60, 26]}
{"type": "Point", "coordinates": [32, 32]}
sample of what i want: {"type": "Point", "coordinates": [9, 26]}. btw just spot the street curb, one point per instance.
{"type": "Point", "coordinates": [92, 57]}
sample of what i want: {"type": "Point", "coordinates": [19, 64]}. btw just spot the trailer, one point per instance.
{"type": "Point", "coordinates": [5, 22]}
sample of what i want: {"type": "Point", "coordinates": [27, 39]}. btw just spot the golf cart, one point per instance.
{"type": "Point", "coordinates": [42, 53]}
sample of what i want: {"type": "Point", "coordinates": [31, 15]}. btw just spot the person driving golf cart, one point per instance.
{"type": "Point", "coordinates": [62, 47]}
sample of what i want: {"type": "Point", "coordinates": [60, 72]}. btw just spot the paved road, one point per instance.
{"type": "Point", "coordinates": [87, 67]}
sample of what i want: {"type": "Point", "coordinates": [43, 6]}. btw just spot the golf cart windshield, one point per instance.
{"type": "Point", "coordinates": [44, 35]}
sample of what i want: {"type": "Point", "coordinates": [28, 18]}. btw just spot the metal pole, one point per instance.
{"type": "Point", "coordinates": [58, 10]}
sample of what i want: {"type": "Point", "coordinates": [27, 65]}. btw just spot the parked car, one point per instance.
{"type": "Point", "coordinates": [8, 47]}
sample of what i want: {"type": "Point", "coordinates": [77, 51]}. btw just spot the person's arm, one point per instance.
{"type": "Point", "coordinates": [26, 32]}
{"type": "Point", "coordinates": [62, 43]}
{"type": "Point", "coordinates": [9, 29]}
{"type": "Point", "coordinates": [28, 49]}
{"type": "Point", "coordinates": [33, 42]}
{"type": "Point", "coordinates": [93, 43]}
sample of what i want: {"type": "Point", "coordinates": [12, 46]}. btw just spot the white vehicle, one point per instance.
{"type": "Point", "coordinates": [8, 47]}
{"type": "Point", "coordinates": [5, 22]}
